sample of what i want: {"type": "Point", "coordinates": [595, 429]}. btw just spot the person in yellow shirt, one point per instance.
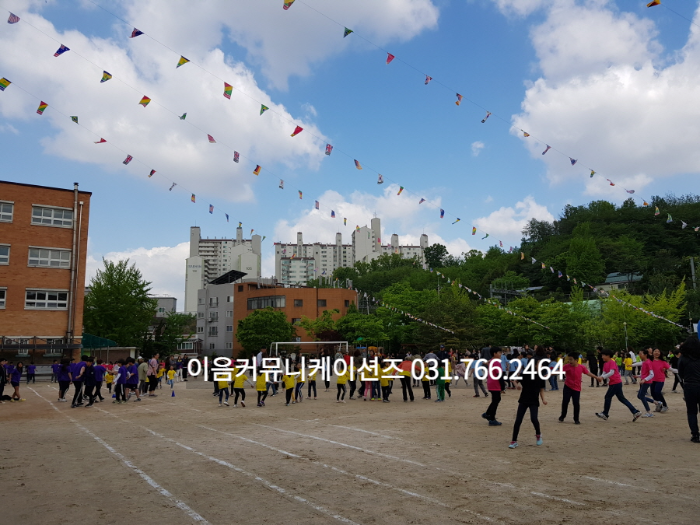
{"type": "Point", "coordinates": [109, 379]}
{"type": "Point", "coordinates": [239, 387]}
{"type": "Point", "coordinates": [288, 381]}
{"type": "Point", "coordinates": [384, 379]}
{"type": "Point", "coordinates": [426, 382]}
{"type": "Point", "coordinates": [261, 387]}
{"type": "Point", "coordinates": [342, 386]}
{"type": "Point", "coordinates": [159, 375]}
{"type": "Point", "coordinates": [627, 361]}
{"type": "Point", "coordinates": [312, 381]}
{"type": "Point", "coordinates": [299, 388]}
{"type": "Point", "coordinates": [171, 377]}
{"type": "Point", "coordinates": [223, 389]}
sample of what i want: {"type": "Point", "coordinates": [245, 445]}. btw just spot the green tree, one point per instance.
{"type": "Point", "coordinates": [263, 327]}
{"type": "Point", "coordinates": [360, 327]}
{"type": "Point", "coordinates": [316, 328]}
{"type": "Point", "coordinates": [118, 306]}
{"type": "Point", "coordinates": [169, 333]}
{"type": "Point", "coordinates": [435, 255]}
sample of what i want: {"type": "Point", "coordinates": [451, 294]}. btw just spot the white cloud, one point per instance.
{"type": "Point", "coordinates": [309, 109]}
{"type": "Point", "coordinates": [607, 99]}
{"type": "Point", "coordinates": [518, 7]}
{"type": "Point", "coordinates": [163, 266]}
{"type": "Point", "coordinates": [509, 222]}
{"type": "Point", "coordinates": [488, 199]}
{"type": "Point", "coordinates": [477, 147]}
{"type": "Point", "coordinates": [9, 128]}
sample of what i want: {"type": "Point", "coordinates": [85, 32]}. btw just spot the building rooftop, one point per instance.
{"type": "Point", "coordinates": [621, 278]}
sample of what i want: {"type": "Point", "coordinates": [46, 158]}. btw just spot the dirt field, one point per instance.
{"type": "Point", "coordinates": [185, 460]}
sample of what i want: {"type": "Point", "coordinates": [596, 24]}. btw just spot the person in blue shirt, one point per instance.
{"type": "Point", "coordinates": [54, 371]}
{"type": "Point", "coordinates": [15, 378]}
{"type": "Point", "coordinates": [77, 372]}
{"type": "Point", "coordinates": [100, 370]}
{"type": "Point", "coordinates": [31, 373]}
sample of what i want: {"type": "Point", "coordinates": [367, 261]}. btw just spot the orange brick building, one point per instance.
{"type": "Point", "coordinates": [294, 302]}
{"type": "Point", "coordinates": [43, 251]}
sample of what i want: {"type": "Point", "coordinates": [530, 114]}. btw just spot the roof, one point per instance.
{"type": "Point", "coordinates": [616, 278]}
{"type": "Point", "coordinates": [44, 187]}
{"type": "Point", "coordinates": [229, 277]}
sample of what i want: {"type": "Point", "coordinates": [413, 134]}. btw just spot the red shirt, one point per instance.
{"type": "Point", "coordinates": [573, 376]}
{"type": "Point", "coordinates": [659, 366]}
{"type": "Point", "coordinates": [493, 384]}
{"type": "Point", "coordinates": [611, 366]}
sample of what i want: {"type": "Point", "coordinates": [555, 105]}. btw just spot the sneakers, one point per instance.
{"type": "Point", "coordinates": [561, 419]}
{"type": "Point", "coordinates": [235, 406]}
{"type": "Point", "coordinates": [494, 423]}
{"type": "Point", "coordinates": [695, 439]}
{"type": "Point", "coordinates": [385, 401]}
{"type": "Point", "coordinates": [663, 409]}
{"type": "Point", "coordinates": [648, 414]}
{"type": "Point", "coordinates": [485, 416]}
{"type": "Point", "coordinates": [659, 405]}
{"type": "Point", "coordinates": [226, 403]}
{"type": "Point", "coordinates": [636, 416]}
{"type": "Point", "coordinates": [243, 404]}
{"type": "Point", "coordinates": [137, 400]}
{"type": "Point", "coordinates": [220, 405]}
{"type": "Point", "coordinates": [601, 416]}
{"type": "Point", "coordinates": [477, 395]}
{"type": "Point", "coordinates": [513, 444]}
{"type": "Point", "coordinates": [577, 422]}
{"type": "Point", "coordinates": [539, 441]}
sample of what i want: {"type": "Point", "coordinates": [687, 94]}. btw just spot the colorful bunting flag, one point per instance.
{"type": "Point", "coordinates": [42, 106]}
{"type": "Point", "coordinates": [316, 205]}
{"type": "Point", "coordinates": [533, 260]}
{"type": "Point", "coordinates": [105, 77]}
{"type": "Point", "coordinates": [211, 139]}
{"type": "Point", "coordinates": [211, 208]}
{"type": "Point", "coordinates": [670, 219]}
{"type": "Point", "coordinates": [183, 116]}
{"type": "Point", "coordinates": [427, 79]}
{"type": "Point", "coordinates": [683, 225]}
{"type": "Point", "coordinates": [193, 198]}
{"type": "Point", "coordinates": [525, 133]}
{"type": "Point", "coordinates": [380, 180]}
{"type": "Point", "coordinates": [611, 182]}
{"type": "Point", "coordinates": [458, 219]}
{"type": "Point", "coordinates": [226, 216]}
{"type": "Point", "coordinates": [264, 237]}
{"type": "Point", "coordinates": [543, 266]}
{"type": "Point", "coordinates": [656, 211]}
{"type": "Point", "coordinates": [100, 141]}
{"type": "Point", "coordinates": [240, 225]}
{"type": "Point", "coordinates": [389, 58]}
{"type": "Point", "coordinates": [263, 108]}
{"type": "Point", "coordinates": [251, 232]}
{"type": "Point", "coordinates": [357, 165]}
{"type": "Point", "coordinates": [400, 190]}
{"type": "Point", "coordinates": [347, 32]}
{"type": "Point", "coordinates": [256, 171]}
{"type": "Point", "coordinates": [573, 161]}
{"type": "Point", "coordinates": [182, 61]}
{"type": "Point", "coordinates": [287, 4]}
{"type": "Point", "coordinates": [281, 184]}
{"type": "Point", "coordinates": [473, 230]}
{"type": "Point", "coordinates": [546, 149]}
{"type": "Point", "coordinates": [228, 89]}
{"type": "Point", "coordinates": [145, 101]}
{"type": "Point", "coordinates": [297, 130]}
{"type": "Point", "coordinates": [500, 243]}
{"type": "Point", "coordinates": [421, 201]}
{"type": "Point", "coordinates": [442, 213]}
{"type": "Point", "coordinates": [332, 214]}
{"type": "Point", "coordinates": [74, 119]}
{"type": "Point", "coordinates": [4, 83]}
{"type": "Point", "coordinates": [522, 256]}
{"type": "Point", "coordinates": [631, 192]}
{"type": "Point", "coordinates": [592, 173]}
{"type": "Point", "coordinates": [128, 159]}
{"type": "Point", "coordinates": [300, 194]}
{"type": "Point", "coordinates": [357, 228]}
{"type": "Point", "coordinates": [151, 174]}
{"type": "Point", "coordinates": [488, 114]}
{"type": "Point", "coordinates": [345, 221]}
{"type": "Point", "coordinates": [236, 156]}
{"type": "Point", "coordinates": [61, 50]}
{"type": "Point", "coordinates": [485, 237]}
{"type": "Point", "coordinates": [329, 148]}
{"type": "Point", "coordinates": [559, 274]}
{"type": "Point", "coordinates": [645, 203]}
{"type": "Point", "coordinates": [654, 3]}
{"type": "Point", "coordinates": [13, 19]}
{"type": "Point", "coordinates": [136, 33]}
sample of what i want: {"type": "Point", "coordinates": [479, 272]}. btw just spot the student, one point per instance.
{"type": "Point", "coordinates": [171, 377]}
{"type": "Point", "coordinates": [160, 374]}
{"type": "Point", "coordinates": [261, 388]}
{"type": "Point", "coordinates": [99, 377]}
{"type": "Point", "coordinates": [132, 378]}
{"type": "Point", "coordinates": [593, 367]}
{"type": "Point", "coordinates": [54, 371]}
{"type": "Point", "coordinates": [659, 366]}
{"type": "Point", "coordinates": [426, 382]}
{"type": "Point", "coordinates": [440, 383]}
{"type": "Point", "coordinates": [478, 383]}
{"type": "Point", "coordinates": [299, 388]}
{"type": "Point", "coordinates": [384, 381]}
{"type": "Point", "coordinates": [341, 386]}
{"type": "Point", "coordinates": [645, 377]}
{"type": "Point", "coordinates": [64, 378]}
{"type": "Point", "coordinates": [352, 366]}
{"type": "Point", "coordinates": [239, 379]}
{"type": "Point", "coordinates": [288, 381]}
{"type": "Point", "coordinates": [77, 372]}
{"type": "Point", "coordinates": [120, 382]}
{"type": "Point", "coordinates": [460, 373]}
{"type": "Point", "coordinates": [3, 378]}
{"type": "Point", "coordinates": [494, 387]}
{"type": "Point", "coordinates": [109, 379]}
{"type": "Point", "coordinates": [689, 372]}
{"type": "Point", "coordinates": [15, 379]}
{"type": "Point", "coordinates": [674, 364]}
{"type": "Point", "coordinates": [533, 388]}
{"type": "Point", "coordinates": [89, 381]}
{"type": "Point", "coordinates": [312, 383]}
{"type": "Point", "coordinates": [405, 375]}
{"type": "Point", "coordinates": [612, 373]}
{"type": "Point", "coordinates": [627, 364]}
{"type": "Point", "coordinates": [448, 379]}
{"type": "Point", "coordinates": [31, 373]}
{"type": "Point", "coordinates": [223, 389]}
{"type": "Point", "coordinates": [572, 386]}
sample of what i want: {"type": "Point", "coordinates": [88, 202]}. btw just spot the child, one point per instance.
{"type": "Point", "coordinates": [160, 374]}
{"type": "Point", "coordinates": [659, 365]}
{"type": "Point", "coordinates": [448, 380]}
{"type": "Point", "coordinates": [440, 384]}
{"type": "Point", "coordinates": [341, 385]}
{"type": "Point", "coordinates": [239, 387]}
{"type": "Point", "coordinates": [15, 378]}
{"type": "Point", "coordinates": [384, 384]}
{"type": "Point", "coordinates": [627, 362]}
{"type": "Point", "coordinates": [572, 386]}
{"type": "Point", "coordinates": [532, 391]}
{"type": "Point", "coordinates": [426, 382]}
{"type": "Point", "coordinates": [612, 373]}
{"type": "Point", "coordinates": [120, 382]}
{"type": "Point", "coordinates": [99, 377]}
{"type": "Point", "coordinates": [494, 386]}
{"type": "Point", "coordinates": [288, 381]}
{"type": "Point", "coordinates": [261, 387]}
{"type": "Point", "coordinates": [223, 389]}
{"type": "Point", "coordinates": [298, 390]}
{"type": "Point", "coordinates": [171, 377]}
{"type": "Point", "coordinates": [109, 379]}
{"type": "Point", "coordinates": [31, 373]}
{"type": "Point", "coordinates": [645, 378]}
{"type": "Point", "coordinates": [478, 383]}
{"type": "Point", "coordinates": [64, 378]}
{"type": "Point", "coordinates": [312, 382]}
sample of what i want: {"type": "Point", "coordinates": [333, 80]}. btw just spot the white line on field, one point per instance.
{"type": "Point", "coordinates": [163, 492]}
{"type": "Point", "coordinates": [556, 498]}
{"type": "Point", "coordinates": [366, 432]}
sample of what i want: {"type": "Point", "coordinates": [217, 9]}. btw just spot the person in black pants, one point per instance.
{"type": "Point", "coordinates": [601, 362]}
{"type": "Point", "coordinates": [78, 382]}
{"type": "Point", "coordinates": [572, 386]}
{"type": "Point", "coordinates": [593, 366]}
{"type": "Point", "coordinates": [533, 390]}
{"type": "Point", "coordinates": [3, 378]}
{"type": "Point", "coordinates": [689, 370]}
{"type": "Point", "coordinates": [674, 364]}
{"type": "Point", "coordinates": [89, 381]}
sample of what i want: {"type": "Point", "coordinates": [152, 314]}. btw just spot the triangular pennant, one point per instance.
{"type": "Point", "coordinates": [151, 174]}
{"type": "Point", "coordinates": [329, 149]}
{"type": "Point", "coordinates": [389, 58]}
{"type": "Point", "coordinates": [380, 180]}
{"type": "Point", "coordinates": [297, 130]}
{"type": "Point", "coordinates": [42, 106]}
{"type": "Point", "coordinates": [100, 141]}
{"type": "Point", "coordinates": [488, 114]}
{"type": "Point", "coordinates": [145, 101]}
{"type": "Point", "coordinates": [211, 139]}
{"type": "Point", "coordinates": [263, 108]}
{"type": "Point", "coordinates": [4, 83]}
{"type": "Point", "coordinates": [228, 89]}
{"type": "Point", "coordinates": [105, 77]}
{"type": "Point", "coordinates": [61, 50]}
{"type": "Point", "coordinates": [193, 198]}
{"type": "Point", "coordinates": [256, 171]}
{"type": "Point", "coordinates": [136, 33]}
{"type": "Point", "coordinates": [182, 61]}
{"type": "Point", "coordinates": [74, 119]}
{"type": "Point", "coordinates": [347, 32]}
{"type": "Point", "coordinates": [13, 19]}
{"type": "Point", "coordinates": [183, 116]}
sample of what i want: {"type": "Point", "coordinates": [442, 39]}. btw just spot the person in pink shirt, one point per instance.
{"type": "Point", "coordinates": [493, 384]}
{"type": "Point", "coordinates": [645, 380]}
{"type": "Point", "coordinates": [612, 373]}
{"type": "Point", "coordinates": [572, 386]}
{"type": "Point", "coordinates": [659, 366]}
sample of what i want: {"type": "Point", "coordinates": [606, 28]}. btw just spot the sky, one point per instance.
{"type": "Point", "coordinates": [611, 84]}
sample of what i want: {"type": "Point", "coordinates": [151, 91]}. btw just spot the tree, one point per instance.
{"type": "Point", "coordinates": [263, 327]}
{"type": "Point", "coordinates": [435, 255]}
{"type": "Point", "coordinates": [118, 306]}
{"type": "Point", "coordinates": [169, 333]}
{"type": "Point", "coordinates": [321, 326]}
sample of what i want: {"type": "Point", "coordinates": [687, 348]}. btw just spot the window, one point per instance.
{"type": "Point", "coordinates": [4, 254]}
{"type": "Point", "coordinates": [185, 346]}
{"type": "Point", "coordinates": [49, 257]}
{"type": "Point", "coordinates": [213, 316]}
{"type": "Point", "coordinates": [213, 302]}
{"type": "Point", "coordinates": [213, 331]}
{"type": "Point", "coordinates": [3, 295]}
{"type": "Point", "coordinates": [240, 287]}
{"type": "Point", "coordinates": [296, 320]}
{"type": "Point", "coordinates": [46, 216]}
{"type": "Point", "coordinates": [229, 346]}
{"type": "Point", "coordinates": [6, 211]}
{"type": "Point", "coordinates": [229, 298]}
{"type": "Point", "coordinates": [298, 302]}
{"type": "Point", "coordinates": [229, 313]}
{"type": "Point", "coordinates": [275, 301]}
{"type": "Point", "coordinates": [297, 339]}
{"type": "Point", "coordinates": [200, 315]}
{"type": "Point", "coordinates": [200, 329]}
{"type": "Point", "coordinates": [212, 346]}
{"type": "Point", "coordinates": [347, 303]}
{"type": "Point", "coordinates": [201, 300]}
{"type": "Point", "coordinates": [46, 299]}
{"type": "Point", "coordinates": [161, 310]}
{"type": "Point", "coordinates": [229, 328]}
{"type": "Point", "coordinates": [321, 303]}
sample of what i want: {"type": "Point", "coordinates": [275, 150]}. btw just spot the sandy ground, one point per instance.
{"type": "Point", "coordinates": [182, 459]}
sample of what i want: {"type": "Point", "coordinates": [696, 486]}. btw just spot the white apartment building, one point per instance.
{"type": "Point", "coordinates": [296, 264]}
{"type": "Point", "coordinates": [211, 258]}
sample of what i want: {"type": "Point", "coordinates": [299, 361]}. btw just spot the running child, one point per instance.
{"type": "Point", "coordinates": [645, 377]}
{"type": "Point", "coordinates": [572, 386]}
{"type": "Point", "coordinates": [288, 381]}
{"type": "Point", "coordinates": [612, 373]}
{"type": "Point", "coordinates": [659, 366]}
{"type": "Point", "coordinates": [494, 387]}
{"type": "Point", "coordinates": [533, 388]}
{"type": "Point", "coordinates": [312, 381]}
{"type": "Point", "coordinates": [109, 379]}
{"type": "Point", "coordinates": [341, 386]}
{"type": "Point", "coordinates": [239, 379]}
{"type": "Point", "coordinates": [31, 373]}
{"type": "Point", "coordinates": [384, 382]}
{"type": "Point", "coordinates": [64, 378]}
{"type": "Point", "coordinates": [425, 382]}
{"type": "Point", "coordinates": [223, 389]}
{"type": "Point", "coordinates": [440, 384]}
{"type": "Point", "coordinates": [261, 388]}
{"type": "Point", "coordinates": [15, 379]}
{"type": "Point", "coordinates": [171, 377]}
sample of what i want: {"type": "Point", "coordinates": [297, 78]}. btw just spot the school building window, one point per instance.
{"type": "Point", "coordinates": [49, 257]}
{"type": "Point", "coordinates": [47, 216]}
{"type": "Point", "coordinates": [200, 329]}
{"type": "Point", "coordinates": [46, 299]}
{"type": "Point", "coordinates": [296, 320]}
{"type": "Point", "coordinates": [213, 302]}
{"type": "Point", "coordinates": [229, 328]}
{"type": "Point", "coordinates": [229, 346]}
{"type": "Point", "coordinates": [3, 294]}
{"type": "Point", "coordinates": [347, 303]}
{"type": "Point", "coordinates": [4, 254]}
{"type": "Point", "coordinates": [212, 346]}
{"type": "Point", "coordinates": [321, 303]}
{"type": "Point", "coordinates": [229, 313]}
{"type": "Point", "coordinates": [240, 287]}
{"type": "Point", "coordinates": [184, 346]}
{"type": "Point", "coordinates": [6, 211]}
{"type": "Point", "coordinates": [274, 301]}
{"type": "Point", "coordinates": [213, 331]}
{"type": "Point", "coordinates": [229, 298]}
{"type": "Point", "coordinates": [298, 302]}
{"type": "Point", "coordinates": [213, 317]}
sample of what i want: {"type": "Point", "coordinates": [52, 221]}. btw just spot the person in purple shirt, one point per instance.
{"type": "Point", "coordinates": [132, 378]}
{"type": "Point", "coordinates": [99, 377]}
{"type": "Point", "coordinates": [64, 378]}
{"type": "Point", "coordinates": [120, 383]}
{"type": "Point", "coordinates": [3, 378]}
{"type": "Point", "coordinates": [77, 373]}
{"type": "Point", "coordinates": [31, 373]}
{"type": "Point", "coordinates": [89, 381]}
{"type": "Point", "coordinates": [15, 378]}
{"type": "Point", "coordinates": [54, 371]}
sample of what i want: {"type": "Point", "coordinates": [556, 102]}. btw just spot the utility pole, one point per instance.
{"type": "Point", "coordinates": [692, 271]}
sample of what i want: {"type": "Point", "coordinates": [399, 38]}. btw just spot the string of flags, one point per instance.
{"type": "Point", "coordinates": [403, 312]}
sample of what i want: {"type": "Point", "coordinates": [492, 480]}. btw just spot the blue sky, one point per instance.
{"type": "Point", "coordinates": [609, 83]}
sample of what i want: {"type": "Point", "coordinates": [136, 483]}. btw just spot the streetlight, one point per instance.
{"type": "Point", "coordinates": [626, 345]}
